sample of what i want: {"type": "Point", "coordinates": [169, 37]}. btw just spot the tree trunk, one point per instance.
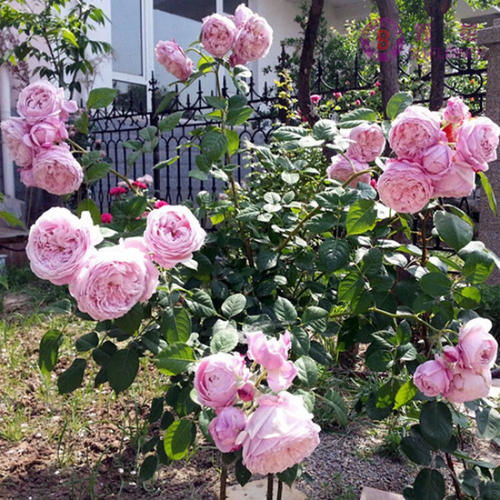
{"type": "Point", "coordinates": [436, 10]}
{"type": "Point", "coordinates": [307, 61]}
{"type": "Point", "coordinates": [387, 44]}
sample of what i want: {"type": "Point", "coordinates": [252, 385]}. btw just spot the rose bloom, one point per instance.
{"type": "Point", "coordinates": [160, 203]}
{"type": "Point", "coordinates": [26, 176]}
{"type": "Point", "coordinates": [170, 55]}
{"type": "Point", "coordinates": [437, 159]}
{"type": "Point", "coordinates": [218, 378]}
{"type": "Point", "coordinates": [58, 244]}
{"type": "Point", "coordinates": [254, 39]}
{"type": "Point", "coordinates": [45, 133]}
{"type": "Point", "coordinates": [279, 434]}
{"type": "Point", "coordinates": [145, 179]}
{"type": "Point", "coordinates": [467, 385]}
{"type": "Point", "coordinates": [455, 182]}
{"type": "Point", "coordinates": [172, 234]}
{"type": "Point", "coordinates": [57, 171]}
{"type": "Point", "coordinates": [478, 347]}
{"type": "Point", "coordinates": [139, 184]}
{"type": "Point", "coordinates": [241, 15]}
{"type": "Point", "coordinates": [235, 60]}
{"type": "Point", "coordinates": [341, 169]}
{"type": "Point", "coordinates": [315, 98]}
{"type": "Point", "coordinates": [113, 280]}
{"type": "Point", "coordinates": [432, 378]}
{"type": "Point", "coordinates": [226, 427]}
{"type": "Point", "coordinates": [217, 34]}
{"type": "Point", "coordinates": [13, 131]}
{"type": "Point", "coordinates": [368, 142]}
{"type": "Point", "coordinates": [477, 142]}
{"type": "Point", "coordinates": [106, 218]}
{"type": "Point", "coordinates": [414, 131]}
{"type": "Point", "coordinates": [456, 110]}
{"type": "Point", "coordinates": [404, 187]}
{"type": "Point", "coordinates": [451, 354]}
{"type": "Point", "coordinates": [41, 100]}
{"type": "Point", "coordinates": [117, 191]}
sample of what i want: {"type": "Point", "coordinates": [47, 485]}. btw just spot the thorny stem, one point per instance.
{"type": "Point", "coordinates": [453, 475]}
{"type": "Point", "coordinates": [270, 484]}
{"type": "Point", "coordinates": [223, 482]}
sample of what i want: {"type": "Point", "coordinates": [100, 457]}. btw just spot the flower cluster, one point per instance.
{"type": "Point", "coordinates": [462, 373]}
{"type": "Point", "coordinates": [36, 139]}
{"type": "Point", "coordinates": [437, 155]}
{"type": "Point", "coordinates": [274, 430]}
{"type": "Point", "coordinates": [367, 142]}
{"type": "Point", "coordinates": [107, 282]}
{"type": "Point", "coordinates": [246, 34]}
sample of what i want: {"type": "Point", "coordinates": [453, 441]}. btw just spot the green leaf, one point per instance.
{"type": "Point", "coordinates": [165, 102]}
{"type": "Point", "coordinates": [360, 114]}
{"type": "Point", "coordinates": [122, 369]}
{"type": "Point", "coordinates": [176, 325]}
{"type": "Point", "coordinates": [101, 98]}
{"type": "Point", "coordinates": [72, 378]}
{"type": "Point", "coordinates": [171, 121]}
{"type": "Point", "coordinates": [131, 321]}
{"type": "Point", "coordinates": [488, 191]}
{"type": "Point", "coordinates": [135, 206]}
{"type": "Point", "coordinates": [82, 123]}
{"type": "Point", "coordinates": [435, 284]}
{"type": "Point", "coordinates": [290, 177]}
{"type": "Point", "coordinates": [488, 423]}
{"type": "Point", "coordinates": [266, 259]}
{"type": "Point", "coordinates": [174, 359]}
{"type": "Point", "coordinates": [89, 206]}
{"type": "Point", "coordinates": [429, 485]}
{"type": "Point", "coordinates": [11, 219]}
{"type": "Point", "coordinates": [398, 103]}
{"type": "Point", "coordinates": [96, 172]}
{"type": "Point", "coordinates": [362, 217]}
{"type": "Point", "coordinates": [69, 37]}
{"type": "Point", "coordinates": [233, 141]}
{"type": "Point", "coordinates": [178, 438]}
{"type": "Point", "coordinates": [234, 305]}
{"type": "Point", "coordinates": [289, 475]}
{"type": "Point", "coordinates": [284, 310]}
{"type": "Point", "coordinates": [216, 101]}
{"type": "Point", "coordinates": [238, 116]}
{"type": "Point", "coordinates": [225, 337]}
{"type": "Point", "coordinates": [325, 130]}
{"type": "Point", "coordinates": [478, 266]}
{"type": "Point", "coordinates": [416, 449]}
{"type": "Point", "coordinates": [148, 467]}
{"type": "Point", "coordinates": [436, 423]}
{"type": "Point", "coordinates": [307, 371]}
{"type": "Point", "coordinates": [333, 255]}
{"type": "Point", "coordinates": [453, 230]}
{"type": "Point", "coordinates": [243, 475]}
{"type": "Point", "coordinates": [214, 145]}
{"type": "Point", "coordinates": [87, 342]}
{"type": "Point", "coordinates": [156, 410]}
{"type": "Point", "coordinates": [201, 304]}
{"type": "Point", "coordinates": [336, 403]}
{"type": "Point", "coordinates": [490, 491]}
{"type": "Point", "coordinates": [405, 394]}
{"type": "Point", "coordinates": [166, 163]}
{"type": "Point", "coordinates": [48, 353]}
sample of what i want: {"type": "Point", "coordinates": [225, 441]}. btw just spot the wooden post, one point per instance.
{"type": "Point", "coordinates": [489, 224]}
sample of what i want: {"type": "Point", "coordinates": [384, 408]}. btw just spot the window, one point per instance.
{"type": "Point", "coordinates": [229, 6]}
{"type": "Point", "coordinates": [189, 9]}
{"type": "Point", "coordinates": [126, 36]}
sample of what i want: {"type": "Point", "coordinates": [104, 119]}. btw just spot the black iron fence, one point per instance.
{"type": "Point", "coordinates": [112, 128]}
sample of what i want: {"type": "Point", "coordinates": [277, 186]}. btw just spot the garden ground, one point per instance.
{"type": "Point", "coordinates": [83, 445]}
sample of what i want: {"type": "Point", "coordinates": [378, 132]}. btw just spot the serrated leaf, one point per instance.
{"type": "Point", "coordinates": [174, 359]}
{"type": "Point", "coordinates": [224, 338]}
{"type": "Point", "coordinates": [101, 98]}
{"type": "Point", "coordinates": [361, 217]}
{"type": "Point", "coordinates": [284, 310]}
{"type": "Point", "coordinates": [234, 305]}
{"type": "Point", "coordinates": [398, 103]}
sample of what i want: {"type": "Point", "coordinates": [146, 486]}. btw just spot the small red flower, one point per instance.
{"type": "Point", "coordinates": [160, 203]}
{"type": "Point", "coordinates": [117, 191]}
{"type": "Point", "coordinates": [140, 185]}
{"type": "Point", "coordinates": [315, 98]}
{"type": "Point", "coordinates": [450, 133]}
{"type": "Point", "coordinates": [106, 218]}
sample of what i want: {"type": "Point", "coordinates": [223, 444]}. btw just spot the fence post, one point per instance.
{"type": "Point", "coordinates": [153, 122]}
{"type": "Point", "coordinates": [489, 224]}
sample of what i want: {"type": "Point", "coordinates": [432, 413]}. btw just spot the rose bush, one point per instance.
{"type": "Point", "coordinates": [293, 269]}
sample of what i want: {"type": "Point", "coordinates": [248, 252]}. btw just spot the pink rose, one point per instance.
{"type": "Point", "coordinates": [113, 280]}
{"type": "Point", "coordinates": [254, 39]}
{"type": "Point", "coordinates": [57, 171]}
{"type": "Point", "coordinates": [170, 55]}
{"type": "Point", "coordinates": [342, 169]}
{"type": "Point", "coordinates": [106, 218]}
{"type": "Point", "coordinates": [226, 427]}
{"type": "Point", "coordinates": [13, 132]}
{"type": "Point", "coordinates": [280, 379]}
{"type": "Point", "coordinates": [478, 347]}
{"type": "Point", "coordinates": [404, 187]}
{"type": "Point", "coordinates": [315, 98]}
{"type": "Point", "coordinates": [46, 133]}
{"type": "Point", "coordinates": [368, 142]}
{"type": "Point", "coordinates": [437, 159]}
{"type": "Point", "coordinates": [217, 34]}
{"type": "Point", "coordinates": [172, 234]}
{"type": "Point", "coordinates": [467, 385]}
{"type": "Point", "coordinates": [279, 434]}
{"type": "Point", "coordinates": [139, 184]}
{"type": "Point", "coordinates": [117, 191]}
{"type": "Point", "coordinates": [145, 179]}
{"type": "Point", "coordinates": [58, 244]}
{"type": "Point", "coordinates": [246, 392]}
{"type": "Point", "coordinates": [477, 142]}
{"type": "Point", "coordinates": [41, 100]}
{"type": "Point", "coordinates": [218, 378]}
{"type": "Point", "coordinates": [457, 181]}
{"type": "Point", "coordinates": [26, 176]}
{"type": "Point", "coordinates": [451, 354]}
{"type": "Point", "coordinates": [235, 60]}
{"type": "Point", "coordinates": [241, 15]}
{"type": "Point", "coordinates": [337, 95]}
{"type": "Point", "coordinates": [414, 131]}
{"type": "Point", "coordinates": [432, 378]}
{"type": "Point", "coordinates": [160, 203]}
{"type": "Point", "coordinates": [456, 110]}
